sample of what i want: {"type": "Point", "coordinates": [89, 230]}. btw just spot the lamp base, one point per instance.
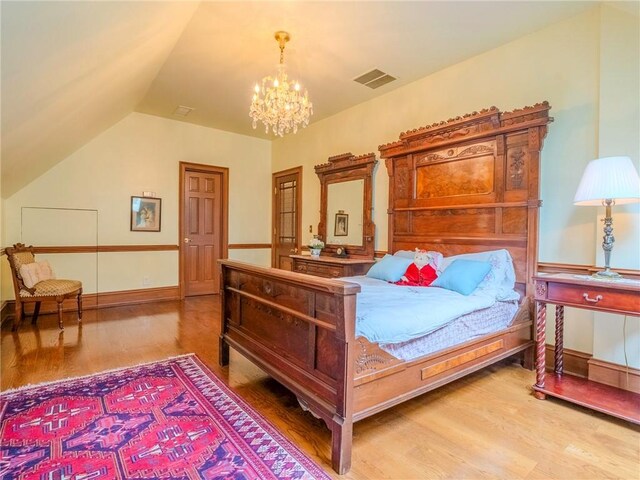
{"type": "Point", "coordinates": [606, 274]}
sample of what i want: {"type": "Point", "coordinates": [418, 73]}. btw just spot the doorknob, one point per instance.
{"type": "Point", "coordinates": [187, 240]}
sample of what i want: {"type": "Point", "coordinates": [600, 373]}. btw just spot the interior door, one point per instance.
{"type": "Point", "coordinates": [201, 232]}
{"type": "Point", "coordinates": [287, 197]}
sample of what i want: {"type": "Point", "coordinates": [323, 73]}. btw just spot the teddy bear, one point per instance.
{"type": "Point", "coordinates": [424, 270]}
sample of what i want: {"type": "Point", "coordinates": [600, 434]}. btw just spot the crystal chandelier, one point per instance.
{"type": "Point", "coordinates": [280, 103]}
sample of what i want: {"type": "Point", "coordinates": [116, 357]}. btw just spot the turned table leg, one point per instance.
{"type": "Point", "coordinates": [540, 348]}
{"type": "Point", "coordinates": [559, 362]}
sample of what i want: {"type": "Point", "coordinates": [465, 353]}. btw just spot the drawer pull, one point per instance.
{"type": "Point", "coordinates": [591, 300]}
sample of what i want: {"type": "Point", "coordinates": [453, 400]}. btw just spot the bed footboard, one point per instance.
{"type": "Point", "coordinates": [300, 330]}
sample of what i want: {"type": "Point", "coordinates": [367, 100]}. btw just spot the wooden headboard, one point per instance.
{"type": "Point", "coordinates": [469, 184]}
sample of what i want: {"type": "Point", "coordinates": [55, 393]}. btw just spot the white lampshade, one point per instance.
{"type": "Point", "coordinates": [612, 178]}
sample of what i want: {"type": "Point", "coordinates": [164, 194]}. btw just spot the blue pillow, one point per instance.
{"type": "Point", "coordinates": [463, 276]}
{"type": "Point", "coordinates": [389, 268]}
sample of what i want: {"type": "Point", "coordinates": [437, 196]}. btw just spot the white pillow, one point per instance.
{"type": "Point", "coordinates": [45, 272]}
{"type": "Point", "coordinates": [501, 279]}
{"type": "Point", "coordinates": [405, 253]}
{"type": "Point", "coordinates": [35, 272]}
{"type": "Point", "coordinates": [29, 274]}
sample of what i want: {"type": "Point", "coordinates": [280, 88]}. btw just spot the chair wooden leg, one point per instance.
{"type": "Point", "coordinates": [36, 312]}
{"type": "Point", "coordinates": [80, 306]}
{"type": "Point", "coordinates": [60, 324]}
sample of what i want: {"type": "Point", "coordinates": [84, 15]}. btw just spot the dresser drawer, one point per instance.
{"type": "Point", "coordinates": [594, 297]}
{"type": "Point", "coordinates": [318, 270]}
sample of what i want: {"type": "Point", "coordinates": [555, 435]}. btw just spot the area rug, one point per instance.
{"type": "Point", "coordinates": [170, 419]}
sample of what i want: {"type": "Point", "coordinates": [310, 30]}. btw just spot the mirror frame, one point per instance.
{"type": "Point", "coordinates": [343, 168]}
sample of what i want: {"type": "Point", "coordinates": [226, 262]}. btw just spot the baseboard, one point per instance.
{"type": "Point", "coordinates": [615, 375]}
{"type": "Point", "coordinates": [584, 365]}
{"type": "Point", "coordinates": [576, 363]}
{"type": "Point", "coordinates": [102, 300]}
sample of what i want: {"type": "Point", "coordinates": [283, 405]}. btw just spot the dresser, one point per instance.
{"type": "Point", "coordinates": [330, 267]}
{"type": "Point", "coordinates": [581, 291]}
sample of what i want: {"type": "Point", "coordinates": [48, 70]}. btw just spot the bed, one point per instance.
{"type": "Point", "coordinates": [466, 185]}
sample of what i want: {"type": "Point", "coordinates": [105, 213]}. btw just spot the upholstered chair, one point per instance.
{"type": "Point", "coordinates": [43, 290]}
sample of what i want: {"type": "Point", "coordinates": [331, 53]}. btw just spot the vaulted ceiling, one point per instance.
{"type": "Point", "coordinates": [70, 70]}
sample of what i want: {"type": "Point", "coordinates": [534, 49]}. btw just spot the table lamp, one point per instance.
{"type": "Point", "coordinates": [608, 181]}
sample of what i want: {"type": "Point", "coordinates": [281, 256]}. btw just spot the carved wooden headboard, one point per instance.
{"type": "Point", "coordinates": [470, 184]}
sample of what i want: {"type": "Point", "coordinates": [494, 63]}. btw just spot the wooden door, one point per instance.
{"type": "Point", "coordinates": [287, 197]}
{"type": "Point", "coordinates": [201, 232]}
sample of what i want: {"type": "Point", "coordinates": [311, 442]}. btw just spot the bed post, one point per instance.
{"type": "Point", "coordinates": [341, 441]}
{"type": "Point", "coordinates": [342, 422]}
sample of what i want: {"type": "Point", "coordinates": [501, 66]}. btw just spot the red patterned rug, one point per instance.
{"type": "Point", "coordinates": [171, 419]}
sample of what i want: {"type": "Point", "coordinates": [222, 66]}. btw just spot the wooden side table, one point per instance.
{"type": "Point", "coordinates": [330, 267]}
{"type": "Point", "coordinates": [582, 292]}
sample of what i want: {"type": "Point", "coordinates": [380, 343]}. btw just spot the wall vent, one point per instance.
{"type": "Point", "coordinates": [374, 79]}
{"type": "Point", "coordinates": [182, 111]}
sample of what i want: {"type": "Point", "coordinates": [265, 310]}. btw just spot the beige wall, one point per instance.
{"type": "Point", "coordinates": [140, 153]}
{"type": "Point", "coordinates": [618, 134]}
{"type": "Point", "coordinates": [560, 63]}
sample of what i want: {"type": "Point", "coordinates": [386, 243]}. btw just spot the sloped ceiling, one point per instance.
{"type": "Point", "coordinates": [70, 70]}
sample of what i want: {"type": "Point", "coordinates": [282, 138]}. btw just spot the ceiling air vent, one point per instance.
{"type": "Point", "coordinates": [374, 79]}
{"type": "Point", "coordinates": [182, 111]}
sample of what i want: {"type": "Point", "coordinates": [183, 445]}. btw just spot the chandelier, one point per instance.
{"type": "Point", "coordinates": [281, 104]}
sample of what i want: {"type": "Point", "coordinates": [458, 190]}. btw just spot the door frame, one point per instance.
{"type": "Point", "coordinates": [274, 176]}
{"type": "Point", "coordinates": [224, 214]}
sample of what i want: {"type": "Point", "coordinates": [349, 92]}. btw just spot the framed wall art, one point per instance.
{"type": "Point", "coordinates": [146, 213]}
{"type": "Point", "coordinates": [342, 225]}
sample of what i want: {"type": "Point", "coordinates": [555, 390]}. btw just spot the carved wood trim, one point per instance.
{"type": "Point", "coordinates": [487, 122]}
{"type": "Point", "coordinates": [371, 358]}
{"type": "Point", "coordinates": [345, 161]}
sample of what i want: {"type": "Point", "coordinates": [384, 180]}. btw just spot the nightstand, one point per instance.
{"type": "Point", "coordinates": [581, 291]}
{"type": "Point", "coordinates": [331, 267]}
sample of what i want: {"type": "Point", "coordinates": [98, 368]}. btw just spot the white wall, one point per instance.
{"type": "Point", "coordinates": [619, 124]}
{"type": "Point", "coordinates": [142, 153]}
{"type": "Point", "coordinates": [560, 63]}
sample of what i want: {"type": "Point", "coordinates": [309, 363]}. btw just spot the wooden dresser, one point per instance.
{"type": "Point", "coordinates": [582, 292]}
{"type": "Point", "coordinates": [330, 267]}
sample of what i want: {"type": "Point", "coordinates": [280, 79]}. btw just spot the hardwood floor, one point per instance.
{"type": "Point", "coordinates": [485, 426]}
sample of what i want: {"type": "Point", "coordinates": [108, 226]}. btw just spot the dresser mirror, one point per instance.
{"type": "Point", "coordinates": [345, 213]}
{"type": "Point", "coordinates": [346, 204]}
